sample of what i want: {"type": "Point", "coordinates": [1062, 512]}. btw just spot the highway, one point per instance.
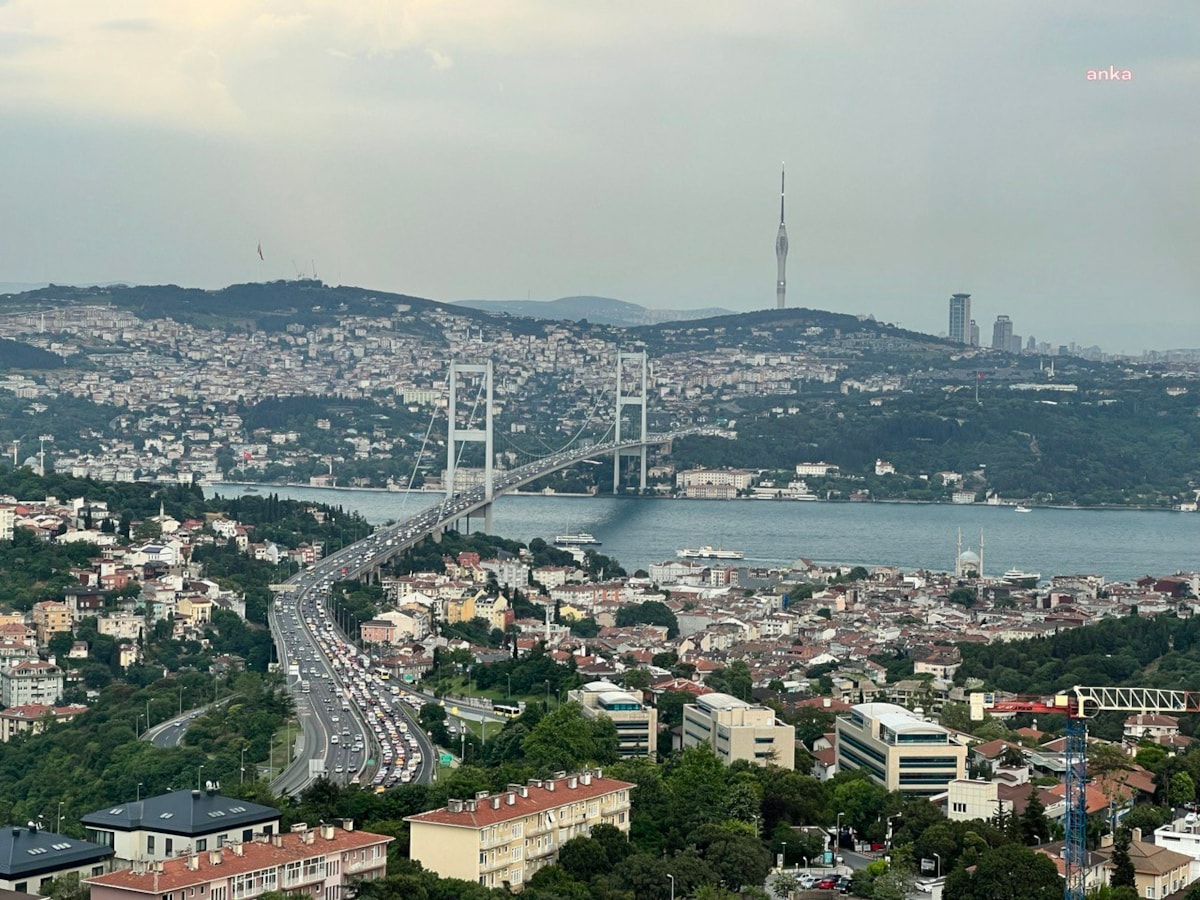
{"type": "Point", "coordinates": [347, 705]}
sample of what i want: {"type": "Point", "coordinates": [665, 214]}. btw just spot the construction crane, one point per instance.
{"type": "Point", "coordinates": [1080, 704]}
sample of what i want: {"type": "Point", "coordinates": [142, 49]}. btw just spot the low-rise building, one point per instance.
{"type": "Point", "coordinates": [31, 858]}
{"type": "Point", "coordinates": [319, 863]}
{"type": "Point", "coordinates": [502, 839]}
{"type": "Point", "coordinates": [21, 719]}
{"type": "Point", "coordinates": [636, 723]}
{"type": "Point", "coordinates": [736, 729]}
{"type": "Point", "coordinates": [160, 827]}
{"type": "Point", "coordinates": [898, 750]}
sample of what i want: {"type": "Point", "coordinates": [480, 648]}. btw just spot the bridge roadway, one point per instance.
{"type": "Point", "coordinates": [299, 626]}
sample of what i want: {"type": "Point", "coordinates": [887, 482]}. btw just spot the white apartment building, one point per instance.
{"type": "Point", "coordinates": [819, 469]}
{"type": "Point", "coordinates": [7, 520]}
{"type": "Point", "coordinates": [736, 729]}
{"type": "Point", "coordinates": [30, 681]}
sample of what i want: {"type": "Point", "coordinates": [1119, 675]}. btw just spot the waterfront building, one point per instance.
{"type": "Point", "coordinates": [899, 751]}
{"type": "Point", "coordinates": [637, 723]}
{"type": "Point", "coordinates": [736, 729]}
{"type": "Point", "coordinates": [500, 840]}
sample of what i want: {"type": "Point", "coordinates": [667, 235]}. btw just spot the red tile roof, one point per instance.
{"type": "Point", "coordinates": [255, 855]}
{"type": "Point", "coordinates": [539, 800]}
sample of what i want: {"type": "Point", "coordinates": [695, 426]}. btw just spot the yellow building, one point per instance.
{"type": "Point", "coordinates": [197, 610]}
{"type": "Point", "coordinates": [636, 723]}
{"type": "Point", "coordinates": [51, 617]}
{"type": "Point", "coordinates": [500, 840]}
{"type": "Point", "coordinates": [736, 729]}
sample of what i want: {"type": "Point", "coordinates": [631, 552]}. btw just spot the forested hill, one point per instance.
{"type": "Point", "coordinates": [15, 355]}
{"type": "Point", "coordinates": [1134, 651]}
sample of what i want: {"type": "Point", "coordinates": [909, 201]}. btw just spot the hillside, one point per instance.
{"type": "Point", "coordinates": [601, 310]}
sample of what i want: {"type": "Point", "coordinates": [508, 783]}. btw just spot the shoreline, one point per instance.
{"type": "Point", "coordinates": [269, 485]}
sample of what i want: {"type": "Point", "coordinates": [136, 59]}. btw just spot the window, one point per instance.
{"type": "Point", "coordinates": [150, 844]}
{"type": "Point", "coordinates": [97, 870]}
{"type": "Point", "coordinates": [247, 836]}
{"type": "Point", "coordinates": [201, 844]}
{"type": "Point", "coordinates": [21, 887]}
{"type": "Point", "coordinates": [960, 807]}
{"type": "Point", "coordinates": [168, 845]}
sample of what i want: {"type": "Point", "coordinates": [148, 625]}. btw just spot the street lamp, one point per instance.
{"type": "Point", "coordinates": [889, 827]}
{"type": "Point", "coordinates": [242, 769]}
{"type": "Point", "coordinates": [548, 700]}
{"type": "Point", "coordinates": [783, 856]}
{"type": "Point", "coordinates": [939, 864]}
{"type": "Point", "coordinates": [672, 877]}
{"type": "Point", "coordinates": [137, 727]}
{"type": "Point", "coordinates": [199, 783]}
{"type": "Point", "coordinates": [139, 792]}
{"type": "Point", "coordinates": [60, 806]}
{"type": "Point", "coordinates": [837, 841]}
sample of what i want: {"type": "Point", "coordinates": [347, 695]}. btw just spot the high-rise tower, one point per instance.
{"type": "Point", "coordinates": [781, 247]}
{"type": "Point", "coordinates": [960, 318]}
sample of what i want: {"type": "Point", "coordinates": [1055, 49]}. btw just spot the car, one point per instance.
{"type": "Point", "coordinates": [826, 884]}
{"type": "Point", "coordinates": [926, 885]}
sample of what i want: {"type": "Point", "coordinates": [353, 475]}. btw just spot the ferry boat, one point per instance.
{"type": "Point", "coordinates": [1017, 578]}
{"type": "Point", "coordinates": [578, 539]}
{"type": "Point", "coordinates": [710, 553]}
{"type": "Point", "coordinates": [1021, 508]}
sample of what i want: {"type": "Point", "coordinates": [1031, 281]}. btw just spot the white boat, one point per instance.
{"type": "Point", "coordinates": [1021, 508]}
{"type": "Point", "coordinates": [574, 540]}
{"type": "Point", "coordinates": [1022, 579]}
{"type": "Point", "coordinates": [710, 553]}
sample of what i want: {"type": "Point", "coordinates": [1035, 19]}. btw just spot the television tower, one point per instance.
{"type": "Point", "coordinates": [781, 247]}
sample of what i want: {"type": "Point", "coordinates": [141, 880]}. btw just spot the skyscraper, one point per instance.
{"type": "Point", "coordinates": [1002, 334]}
{"type": "Point", "coordinates": [960, 318]}
{"type": "Point", "coordinates": [781, 247]}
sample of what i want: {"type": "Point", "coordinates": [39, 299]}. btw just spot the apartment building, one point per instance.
{"type": "Point", "coordinates": [502, 839]}
{"type": "Point", "coordinates": [899, 750]}
{"type": "Point", "coordinates": [50, 617]}
{"type": "Point", "coordinates": [7, 523]}
{"type": "Point", "coordinates": [16, 720]}
{"type": "Point", "coordinates": [31, 858]}
{"type": "Point", "coordinates": [160, 827]}
{"type": "Point", "coordinates": [318, 863]}
{"type": "Point", "coordinates": [736, 729]}
{"type": "Point", "coordinates": [637, 723]}
{"type": "Point", "coordinates": [26, 682]}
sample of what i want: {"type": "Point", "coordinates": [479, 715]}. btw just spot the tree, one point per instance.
{"type": "Point", "coordinates": [651, 612]}
{"type": "Point", "coordinates": [565, 741]}
{"type": "Point", "coordinates": [1035, 826]}
{"type": "Point", "coordinates": [1182, 790]}
{"type": "Point", "coordinates": [1010, 872]}
{"type": "Point", "coordinates": [1122, 872]}
{"type": "Point", "coordinates": [963, 596]}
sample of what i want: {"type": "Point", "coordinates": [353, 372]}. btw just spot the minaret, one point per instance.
{"type": "Point", "coordinates": [781, 248]}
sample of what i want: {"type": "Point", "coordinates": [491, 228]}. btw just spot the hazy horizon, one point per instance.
{"type": "Point", "coordinates": [541, 149]}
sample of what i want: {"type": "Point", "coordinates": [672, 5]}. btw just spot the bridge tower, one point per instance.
{"type": "Point", "coordinates": [637, 398]}
{"type": "Point", "coordinates": [458, 434]}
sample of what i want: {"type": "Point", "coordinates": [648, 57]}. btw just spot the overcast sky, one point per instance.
{"type": "Point", "coordinates": [543, 148]}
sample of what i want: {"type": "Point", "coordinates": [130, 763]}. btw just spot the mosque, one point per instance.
{"type": "Point", "coordinates": [967, 563]}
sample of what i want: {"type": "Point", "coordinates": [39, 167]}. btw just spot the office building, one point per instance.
{"type": "Point", "coordinates": [320, 864]}
{"type": "Point", "coordinates": [1002, 334]}
{"type": "Point", "coordinates": [960, 318]}
{"type": "Point", "coordinates": [160, 827]}
{"type": "Point", "coordinates": [637, 723]}
{"type": "Point", "coordinates": [500, 840]}
{"type": "Point", "coordinates": [31, 858]}
{"type": "Point", "coordinates": [736, 729]}
{"type": "Point", "coordinates": [974, 333]}
{"type": "Point", "coordinates": [898, 750]}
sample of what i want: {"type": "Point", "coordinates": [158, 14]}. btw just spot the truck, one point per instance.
{"type": "Point", "coordinates": [294, 669]}
{"type": "Point", "coordinates": [305, 687]}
